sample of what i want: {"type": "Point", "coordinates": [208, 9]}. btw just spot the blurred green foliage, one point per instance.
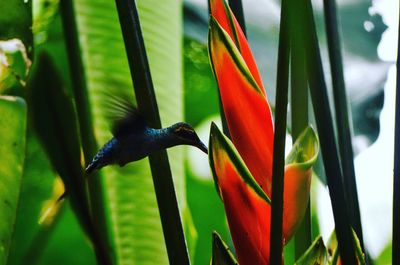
{"type": "Point", "coordinates": [67, 243]}
{"type": "Point", "coordinates": [12, 153]}
{"type": "Point", "coordinates": [201, 91]}
{"type": "Point", "coordinates": [37, 183]}
{"type": "Point", "coordinates": [14, 64]}
{"type": "Point", "coordinates": [385, 258]}
{"type": "Point", "coordinates": [54, 119]}
{"type": "Point", "coordinates": [16, 22]}
{"type": "Point", "coordinates": [208, 216]}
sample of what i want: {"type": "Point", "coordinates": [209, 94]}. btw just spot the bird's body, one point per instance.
{"type": "Point", "coordinates": [134, 140]}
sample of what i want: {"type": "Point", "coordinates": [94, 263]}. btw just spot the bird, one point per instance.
{"type": "Point", "coordinates": [133, 139]}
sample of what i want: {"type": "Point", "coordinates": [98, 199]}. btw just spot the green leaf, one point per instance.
{"type": "Point", "coordinates": [68, 237]}
{"type": "Point", "coordinates": [14, 63]}
{"type": "Point", "coordinates": [221, 254]}
{"type": "Point", "coordinates": [12, 152]}
{"type": "Point", "coordinates": [16, 21]}
{"type": "Point", "coordinates": [385, 258]}
{"type": "Point", "coordinates": [54, 120]}
{"type": "Point", "coordinates": [204, 201]}
{"type": "Point", "coordinates": [36, 188]}
{"type": "Point", "coordinates": [357, 246]}
{"type": "Point", "coordinates": [190, 231]}
{"type": "Point", "coordinates": [130, 201]}
{"type": "Point", "coordinates": [200, 85]}
{"type": "Point", "coordinates": [332, 248]}
{"type": "Point", "coordinates": [334, 253]}
{"type": "Point", "coordinates": [315, 255]}
{"type": "Point", "coordinates": [16, 41]}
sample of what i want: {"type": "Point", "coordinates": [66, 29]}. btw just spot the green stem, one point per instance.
{"type": "Point", "coordinates": [396, 183]}
{"type": "Point", "coordinates": [89, 145]}
{"type": "Point", "coordinates": [282, 81]}
{"type": "Point", "coordinates": [299, 108]}
{"type": "Point", "coordinates": [327, 137]}
{"type": "Point", "coordinates": [147, 103]}
{"type": "Point", "coordinates": [78, 79]}
{"type": "Point", "coordinates": [342, 116]}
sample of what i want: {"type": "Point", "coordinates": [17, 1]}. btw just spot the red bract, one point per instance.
{"type": "Point", "coordinates": [247, 206]}
{"type": "Point", "coordinates": [246, 192]}
{"type": "Point", "coordinates": [247, 111]}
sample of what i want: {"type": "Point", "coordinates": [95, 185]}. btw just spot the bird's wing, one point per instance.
{"type": "Point", "coordinates": [124, 118]}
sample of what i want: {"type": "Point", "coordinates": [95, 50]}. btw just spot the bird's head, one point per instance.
{"type": "Point", "coordinates": [187, 135]}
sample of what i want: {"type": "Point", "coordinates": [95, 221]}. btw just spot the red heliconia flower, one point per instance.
{"type": "Point", "coordinates": [243, 170]}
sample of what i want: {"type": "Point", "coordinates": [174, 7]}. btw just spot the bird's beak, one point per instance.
{"type": "Point", "coordinates": [202, 147]}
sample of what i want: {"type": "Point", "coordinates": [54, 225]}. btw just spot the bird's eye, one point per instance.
{"type": "Point", "coordinates": [184, 131]}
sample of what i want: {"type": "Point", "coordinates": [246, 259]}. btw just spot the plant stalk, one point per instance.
{"type": "Point", "coordinates": [78, 80]}
{"type": "Point", "coordinates": [147, 103]}
{"type": "Point", "coordinates": [299, 108]}
{"type": "Point", "coordinates": [396, 176]}
{"type": "Point", "coordinates": [342, 116]}
{"type": "Point", "coordinates": [276, 243]}
{"type": "Point", "coordinates": [327, 137]}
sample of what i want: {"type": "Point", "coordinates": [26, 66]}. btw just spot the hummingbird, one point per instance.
{"type": "Point", "coordinates": [133, 139]}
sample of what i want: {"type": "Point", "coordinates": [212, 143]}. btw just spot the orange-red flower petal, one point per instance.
{"type": "Point", "coordinates": [246, 205]}
{"type": "Point", "coordinates": [298, 171]}
{"type": "Point", "coordinates": [221, 11]}
{"type": "Point", "coordinates": [246, 108]}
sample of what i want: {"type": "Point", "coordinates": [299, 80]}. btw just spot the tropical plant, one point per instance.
{"type": "Point", "coordinates": [60, 63]}
{"type": "Point", "coordinates": [244, 181]}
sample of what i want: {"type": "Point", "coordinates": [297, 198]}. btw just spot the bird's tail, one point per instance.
{"type": "Point", "coordinates": [101, 159]}
{"type": "Point", "coordinates": [96, 163]}
{"type": "Point", "coordinates": [93, 166]}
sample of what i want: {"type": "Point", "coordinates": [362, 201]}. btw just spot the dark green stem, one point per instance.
{"type": "Point", "coordinates": [237, 9]}
{"type": "Point", "coordinates": [342, 116]}
{"type": "Point", "coordinates": [282, 81]}
{"type": "Point", "coordinates": [78, 80]}
{"type": "Point", "coordinates": [396, 183]}
{"type": "Point", "coordinates": [327, 137]}
{"type": "Point", "coordinates": [299, 108]}
{"type": "Point", "coordinates": [147, 103]}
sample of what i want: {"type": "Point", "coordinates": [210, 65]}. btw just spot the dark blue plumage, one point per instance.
{"type": "Point", "coordinates": [134, 140]}
{"type": "Point", "coordinates": [103, 157]}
